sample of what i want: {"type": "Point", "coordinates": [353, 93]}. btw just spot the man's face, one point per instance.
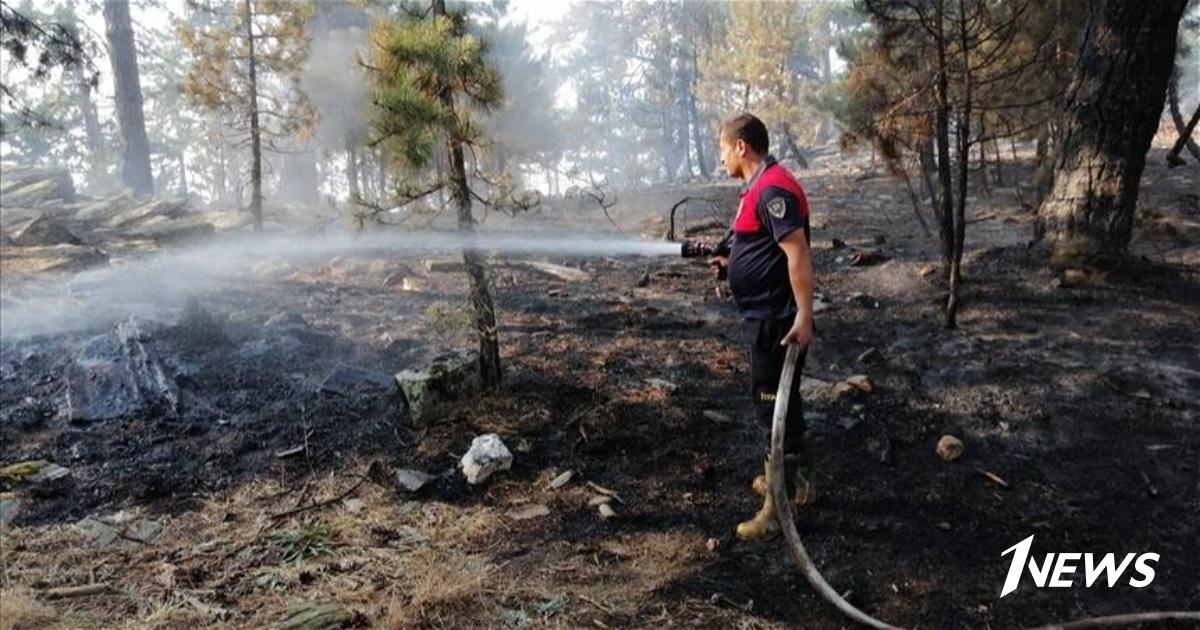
{"type": "Point", "coordinates": [732, 155]}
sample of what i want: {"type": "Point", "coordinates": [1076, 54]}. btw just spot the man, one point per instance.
{"type": "Point", "coordinates": [770, 273]}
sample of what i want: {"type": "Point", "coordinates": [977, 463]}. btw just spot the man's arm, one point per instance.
{"type": "Point", "coordinates": [800, 276]}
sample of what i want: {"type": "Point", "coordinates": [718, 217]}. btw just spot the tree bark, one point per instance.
{"type": "Point", "coordinates": [1112, 111]}
{"type": "Point", "coordinates": [127, 87]}
{"type": "Point", "coordinates": [256, 193]}
{"type": "Point", "coordinates": [477, 271]}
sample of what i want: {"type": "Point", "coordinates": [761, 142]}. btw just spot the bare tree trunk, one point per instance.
{"type": "Point", "coordinates": [352, 178]}
{"type": "Point", "coordinates": [790, 145]}
{"type": "Point", "coordinates": [964, 162]}
{"type": "Point", "coordinates": [183, 182]}
{"type": "Point", "coordinates": [942, 136]}
{"type": "Point", "coordinates": [91, 125]}
{"type": "Point", "coordinates": [477, 270]}
{"type": "Point", "coordinates": [1113, 107]}
{"type": "Point", "coordinates": [256, 193]}
{"type": "Point", "coordinates": [127, 88]}
{"type": "Point", "coordinates": [1185, 129]}
{"type": "Point", "coordinates": [697, 140]}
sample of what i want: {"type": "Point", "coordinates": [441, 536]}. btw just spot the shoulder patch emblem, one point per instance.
{"type": "Point", "coordinates": [776, 207]}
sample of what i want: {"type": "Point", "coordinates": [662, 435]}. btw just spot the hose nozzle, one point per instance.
{"type": "Point", "coordinates": [695, 249]}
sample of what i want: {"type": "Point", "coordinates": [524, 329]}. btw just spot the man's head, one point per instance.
{"type": "Point", "coordinates": [744, 144]}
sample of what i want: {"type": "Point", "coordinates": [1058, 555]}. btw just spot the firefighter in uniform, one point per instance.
{"type": "Point", "coordinates": [766, 256]}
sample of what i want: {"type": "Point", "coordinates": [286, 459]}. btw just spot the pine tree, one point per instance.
{"type": "Point", "coordinates": [431, 79]}
{"type": "Point", "coordinates": [245, 62]}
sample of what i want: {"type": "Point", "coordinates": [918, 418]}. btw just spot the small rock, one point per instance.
{"type": "Point", "coordinates": [536, 510]}
{"type": "Point", "coordinates": [644, 279]}
{"type": "Point", "coordinates": [665, 385]}
{"type": "Point", "coordinates": [820, 304]}
{"type": "Point", "coordinates": [717, 417]}
{"type": "Point", "coordinates": [606, 511]}
{"type": "Point", "coordinates": [413, 480]}
{"type": "Point", "coordinates": [944, 526]}
{"type": "Point", "coordinates": [354, 506]}
{"type": "Point", "coordinates": [712, 544]}
{"type": "Point", "coordinates": [100, 533]}
{"type": "Point", "coordinates": [315, 616]}
{"type": "Point", "coordinates": [33, 472]}
{"type": "Point", "coordinates": [444, 266]}
{"type": "Point", "coordinates": [926, 270]}
{"type": "Point", "coordinates": [146, 530]}
{"type": "Point", "coordinates": [837, 243]}
{"type": "Point", "coordinates": [10, 508]}
{"type": "Point", "coordinates": [867, 259]}
{"type": "Point", "coordinates": [950, 448]}
{"type": "Point", "coordinates": [599, 499]}
{"type": "Point", "coordinates": [487, 455]}
{"type": "Point", "coordinates": [863, 300]}
{"type": "Point", "coordinates": [561, 480]}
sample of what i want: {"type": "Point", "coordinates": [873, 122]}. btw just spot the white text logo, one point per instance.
{"type": "Point", "coordinates": [1057, 570]}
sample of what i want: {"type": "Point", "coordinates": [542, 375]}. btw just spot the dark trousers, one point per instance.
{"type": "Point", "coordinates": [762, 337]}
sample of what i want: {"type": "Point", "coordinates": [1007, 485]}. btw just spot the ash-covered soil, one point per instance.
{"type": "Point", "coordinates": [267, 487]}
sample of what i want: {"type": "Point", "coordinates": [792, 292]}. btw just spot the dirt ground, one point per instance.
{"type": "Point", "coordinates": [1076, 397]}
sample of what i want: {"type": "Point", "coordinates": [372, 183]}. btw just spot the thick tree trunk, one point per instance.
{"type": "Point", "coordinates": [477, 271]}
{"type": "Point", "coordinates": [91, 126]}
{"type": "Point", "coordinates": [256, 188]}
{"type": "Point", "coordinates": [127, 88]}
{"type": "Point", "coordinates": [1112, 111]}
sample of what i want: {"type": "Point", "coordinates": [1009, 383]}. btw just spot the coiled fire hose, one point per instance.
{"type": "Point", "coordinates": [787, 524]}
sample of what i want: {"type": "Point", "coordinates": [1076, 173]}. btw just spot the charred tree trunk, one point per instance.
{"type": "Point", "coordinates": [790, 145]}
{"type": "Point", "coordinates": [477, 270]}
{"type": "Point", "coordinates": [964, 163]}
{"type": "Point", "coordinates": [256, 188]}
{"type": "Point", "coordinates": [942, 138]}
{"type": "Point", "coordinates": [127, 88]}
{"type": "Point", "coordinates": [1112, 111]}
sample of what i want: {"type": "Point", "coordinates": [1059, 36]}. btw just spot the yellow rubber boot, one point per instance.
{"type": "Point", "coordinates": [762, 526]}
{"type": "Point", "coordinates": [806, 491]}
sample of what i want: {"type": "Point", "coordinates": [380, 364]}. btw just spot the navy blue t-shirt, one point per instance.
{"type": "Point", "coordinates": [758, 274]}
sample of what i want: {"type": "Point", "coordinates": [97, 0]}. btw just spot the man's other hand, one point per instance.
{"type": "Point", "coordinates": [800, 334]}
{"type": "Point", "coordinates": [719, 265]}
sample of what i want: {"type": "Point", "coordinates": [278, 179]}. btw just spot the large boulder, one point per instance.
{"type": "Point", "coordinates": [447, 379]}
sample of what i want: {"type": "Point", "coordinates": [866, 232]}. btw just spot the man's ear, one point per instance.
{"type": "Point", "coordinates": [741, 147]}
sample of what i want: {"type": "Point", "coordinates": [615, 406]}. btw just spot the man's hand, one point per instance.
{"type": "Point", "coordinates": [800, 334]}
{"type": "Point", "coordinates": [719, 265]}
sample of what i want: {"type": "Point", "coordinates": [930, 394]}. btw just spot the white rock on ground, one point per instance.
{"type": "Point", "coordinates": [487, 455]}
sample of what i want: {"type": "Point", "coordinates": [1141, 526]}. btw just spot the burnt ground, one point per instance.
{"type": "Point", "coordinates": [1076, 396]}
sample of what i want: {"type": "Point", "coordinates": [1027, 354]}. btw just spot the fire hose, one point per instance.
{"type": "Point", "coordinates": [787, 524]}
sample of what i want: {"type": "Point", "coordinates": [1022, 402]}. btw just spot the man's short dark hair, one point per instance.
{"type": "Point", "coordinates": [749, 128]}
